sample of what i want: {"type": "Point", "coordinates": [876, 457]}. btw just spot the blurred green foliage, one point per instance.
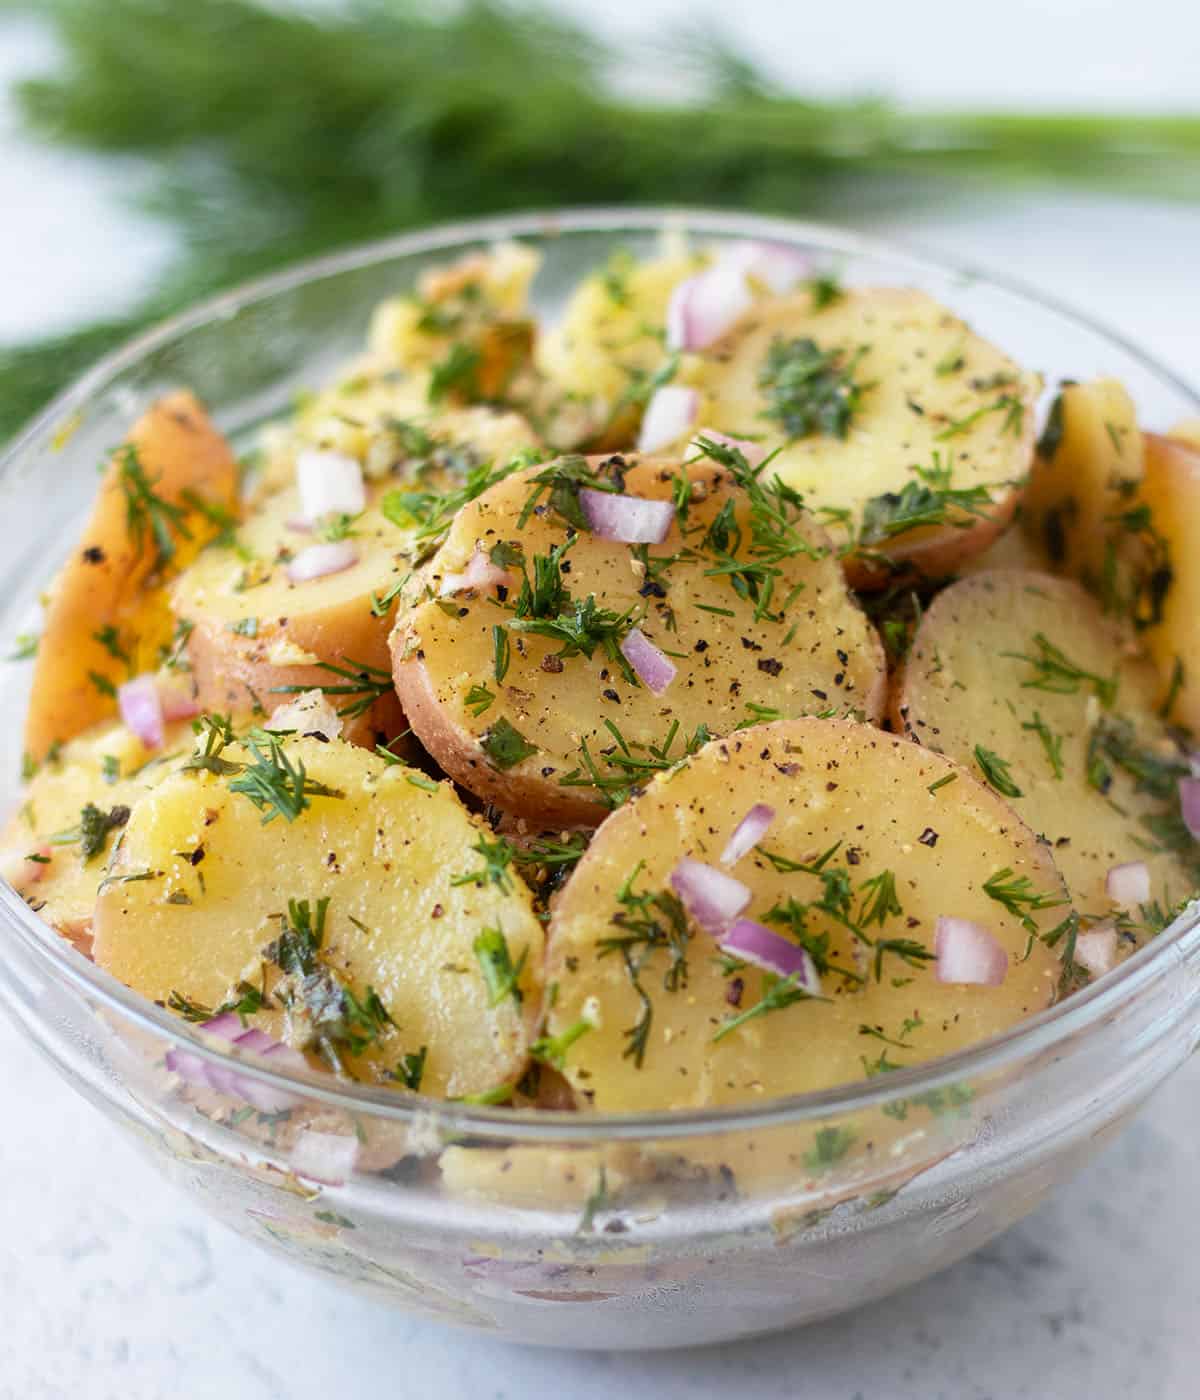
{"type": "Point", "coordinates": [272, 134]}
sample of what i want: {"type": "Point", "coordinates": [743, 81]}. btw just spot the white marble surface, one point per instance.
{"type": "Point", "coordinates": [111, 1285]}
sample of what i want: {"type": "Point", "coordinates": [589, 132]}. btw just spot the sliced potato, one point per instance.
{"type": "Point", "coordinates": [934, 409]}
{"type": "Point", "coordinates": [609, 341]}
{"type": "Point", "coordinates": [257, 638]}
{"type": "Point", "coordinates": [201, 884]}
{"type": "Point", "coordinates": [557, 737]}
{"type": "Point", "coordinates": [1171, 491]}
{"type": "Point", "coordinates": [674, 1024]}
{"type": "Point", "coordinates": [1014, 549]}
{"type": "Point", "coordinates": [1079, 505]}
{"type": "Point", "coordinates": [470, 314]}
{"type": "Point", "coordinates": [107, 768]}
{"type": "Point", "coordinates": [1023, 676]}
{"type": "Point", "coordinates": [106, 618]}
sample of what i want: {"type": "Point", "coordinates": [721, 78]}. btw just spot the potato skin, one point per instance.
{"type": "Point", "coordinates": [724, 662]}
{"type": "Point", "coordinates": [385, 852]}
{"type": "Point", "coordinates": [937, 394]}
{"type": "Point", "coordinates": [110, 578]}
{"type": "Point", "coordinates": [829, 781]}
{"type": "Point", "coordinates": [964, 684]}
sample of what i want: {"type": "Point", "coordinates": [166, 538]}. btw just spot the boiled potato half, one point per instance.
{"type": "Point", "coordinates": [870, 841]}
{"type": "Point", "coordinates": [1022, 679]}
{"type": "Point", "coordinates": [106, 618]}
{"type": "Point", "coordinates": [54, 847]}
{"type": "Point", "coordinates": [213, 891]}
{"type": "Point", "coordinates": [522, 691]}
{"type": "Point", "coordinates": [1171, 493]}
{"type": "Point", "coordinates": [255, 637]}
{"type": "Point", "coordinates": [1081, 505]}
{"type": "Point", "coordinates": [908, 433]}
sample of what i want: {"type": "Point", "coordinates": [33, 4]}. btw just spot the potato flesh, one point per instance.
{"type": "Point", "coordinates": [1171, 488]}
{"type": "Point", "coordinates": [110, 580]}
{"type": "Point", "coordinates": [961, 688]}
{"type": "Point", "coordinates": [605, 340]}
{"type": "Point", "coordinates": [916, 412]}
{"type": "Point", "coordinates": [65, 891]}
{"type": "Point", "coordinates": [725, 663]}
{"type": "Point", "coordinates": [385, 855]}
{"type": "Point", "coordinates": [817, 775]}
{"type": "Point", "coordinates": [1085, 474]}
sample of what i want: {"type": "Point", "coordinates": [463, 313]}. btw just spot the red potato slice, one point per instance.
{"type": "Point", "coordinates": [257, 638]}
{"type": "Point", "coordinates": [1024, 668]}
{"type": "Point", "coordinates": [529, 742]}
{"type": "Point", "coordinates": [893, 818]}
{"type": "Point", "coordinates": [107, 768]}
{"type": "Point", "coordinates": [386, 847]}
{"type": "Point", "coordinates": [1171, 490]}
{"type": "Point", "coordinates": [1082, 491]}
{"type": "Point", "coordinates": [255, 635]}
{"type": "Point", "coordinates": [934, 398]}
{"type": "Point", "coordinates": [109, 588]}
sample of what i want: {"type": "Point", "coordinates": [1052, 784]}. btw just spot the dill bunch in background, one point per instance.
{"type": "Point", "coordinates": [274, 134]}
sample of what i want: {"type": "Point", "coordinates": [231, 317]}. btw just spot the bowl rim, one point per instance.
{"type": "Point", "coordinates": [1073, 1017]}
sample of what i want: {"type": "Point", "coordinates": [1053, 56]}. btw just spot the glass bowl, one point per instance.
{"type": "Point", "coordinates": [556, 1228]}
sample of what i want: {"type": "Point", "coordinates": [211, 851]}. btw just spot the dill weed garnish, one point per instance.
{"type": "Point", "coordinates": [275, 783]}
{"type": "Point", "coordinates": [149, 519]}
{"type": "Point", "coordinates": [810, 390]}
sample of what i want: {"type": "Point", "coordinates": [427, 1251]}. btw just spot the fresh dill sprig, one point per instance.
{"type": "Point", "coordinates": [275, 783]}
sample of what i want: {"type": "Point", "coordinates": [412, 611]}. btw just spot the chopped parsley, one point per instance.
{"type": "Point", "coordinates": [506, 746]}
{"type": "Point", "coordinates": [25, 645]}
{"type": "Point", "coordinates": [91, 831]}
{"type": "Point", "coordinates": [552, 1049]}
{"type": "Point", "coordinates": [457, 373]}
{"type": "Point", "coordinates": [478, 699]}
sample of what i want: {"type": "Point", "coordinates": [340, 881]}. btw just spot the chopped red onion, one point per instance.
{"type": "Point", "coordinates": [776, 265]}
{"type": "Point", "coordinates": [670, 413]}
{"type": "Point", "coordinates": [141, 709]}
{"type": "Point", "coordinates": [711, 897]}
{"type": "Point", "coordinates": [704, 307]}
{"type": "Point", "coordinates": [318, 560]}
{"type": "Point", "coordinates": [626, 519]}
{"type": "Point", "coordinates": [754, 943]}
{"type": "Point", "coordinates": [1096, 950]}
{"type": "Point", "coordinates": [225, 1077]}
{"type": "Point", "coordinates": [1189, 805]}
{"type": "Point", "coordinates": [325, 1157]}
{"type": "Point", "coordinates": [654, 670]}
{"type": "Point", "coordinates": [480, 574]}
{"type": "Point", "coordinates": [753, 452]}
{"type": "Point", "coordinates": [748, 833]}
{"type": "Point", "coordinates": [968, 954]}
{"type": "Point", "coordinates": [1129, 884]}
{"type": "Point", "coordinates": [330, 483]}
{"type": "Point", "coordinates": [310, 713]}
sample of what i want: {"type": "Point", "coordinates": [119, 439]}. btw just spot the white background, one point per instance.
{"type": "Point", "coordinates": [113, 1286]}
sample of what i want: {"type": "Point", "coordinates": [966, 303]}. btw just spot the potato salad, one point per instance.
{"type": "Point", "coordinates": [746, 685]}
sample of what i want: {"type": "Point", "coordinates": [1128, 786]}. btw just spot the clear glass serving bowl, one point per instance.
{"type": "Point", "coordinates": [563, 1229]}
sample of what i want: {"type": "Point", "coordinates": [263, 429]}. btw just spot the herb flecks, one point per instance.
{"type": "Point", "coordinates": [278, 785]}
{"type": "Point", "coordinates": [810, 390]}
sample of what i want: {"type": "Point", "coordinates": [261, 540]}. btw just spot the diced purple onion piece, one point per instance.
{"type": "Point", "coordinates": [320, 560]}
{"type": "Point", "coordinates": [968, 954]}
{"type": "Point", "coordinates": [711, 897]}
{"type": "Point", "coordinates": [1128, 884]}
{"type": "Point", "coordinates": [626, 519]}
{"type": "Point", "coordinates": [669, 416]}
{"type": "Point", "coordinates": [748, 833]}
{"type": "Point", "coordinates": [754, 943]}
{"type": "Point", "coordinates": [654, 670]}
